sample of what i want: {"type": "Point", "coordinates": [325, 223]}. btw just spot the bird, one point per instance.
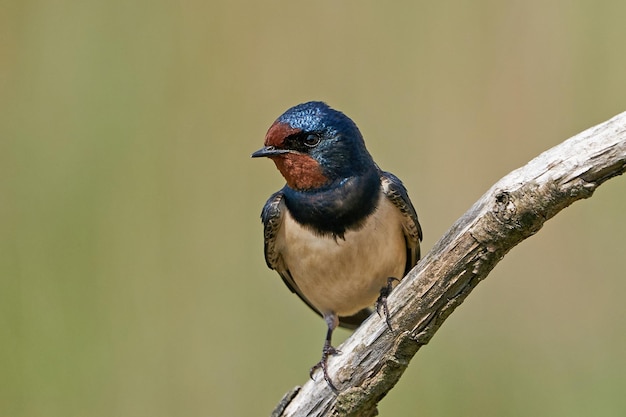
{"type": "Point", "coordinates": [341, 232]}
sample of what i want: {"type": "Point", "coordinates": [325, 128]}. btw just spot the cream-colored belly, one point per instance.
{"type": "Point", "coordinates": [345, 276]}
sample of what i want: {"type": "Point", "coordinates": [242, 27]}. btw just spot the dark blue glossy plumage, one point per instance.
{"type": "Point", "coordinates": [351, 193]}
{"type": "Point", "coordinates": [341, 152]}
{"type": "Point", "coordinates": [338, 208]}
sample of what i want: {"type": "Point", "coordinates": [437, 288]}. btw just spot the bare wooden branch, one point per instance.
{"type": "Point", "coordinates": [515, 208]}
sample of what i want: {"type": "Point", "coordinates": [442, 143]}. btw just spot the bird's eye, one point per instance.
{"type": "Point", "coordinates": [311, 140]}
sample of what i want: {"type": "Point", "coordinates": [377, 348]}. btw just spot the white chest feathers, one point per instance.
{"type": "Point", "coordinates": [345, 275]}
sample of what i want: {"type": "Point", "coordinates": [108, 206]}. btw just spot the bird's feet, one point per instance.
{"type": "Point", "coordinates": [381, 302]}
{"type": "Point", "coordinates": [327, 351]}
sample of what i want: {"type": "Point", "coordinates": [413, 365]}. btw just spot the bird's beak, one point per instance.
{"type": "Point", "coordinates": [268, 151]}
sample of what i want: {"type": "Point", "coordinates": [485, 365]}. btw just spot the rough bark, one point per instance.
{"type": "Point", "coordinates": [515, 208]}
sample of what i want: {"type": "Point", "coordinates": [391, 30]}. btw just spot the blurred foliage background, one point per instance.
{"type": "Point", "coordinates": [132, 278]}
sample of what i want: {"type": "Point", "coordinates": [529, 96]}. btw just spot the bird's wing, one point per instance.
{"type": "Point", "coordinates": [272, 217]}
{"type": "Point", "coordinates": [397, 194]}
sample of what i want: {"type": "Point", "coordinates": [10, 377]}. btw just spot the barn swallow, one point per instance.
{"type": "Point", "coordinates": [341, 231]}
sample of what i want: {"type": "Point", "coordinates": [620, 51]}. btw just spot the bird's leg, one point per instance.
{"type": "Point", "coordinates": [332, 320]}
{"type": "Point", "coordinates": [381, 303]}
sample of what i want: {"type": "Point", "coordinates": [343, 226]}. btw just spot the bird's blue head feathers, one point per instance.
{"type": "Point", "coordinates": [341, 149]}
{"type": "Point", "coordinates": [314, 145]}
{"type": "Point", "coordinates": [317, 116]}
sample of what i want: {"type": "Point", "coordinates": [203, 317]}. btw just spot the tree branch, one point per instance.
{"type": "Point", "coordinates": [513, 209]}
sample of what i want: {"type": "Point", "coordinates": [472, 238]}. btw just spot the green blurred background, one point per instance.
{"type": "Point", "coordinates": [132, 278]}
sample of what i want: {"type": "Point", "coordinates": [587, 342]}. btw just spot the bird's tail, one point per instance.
{"type": "Point", "coordinates": [355, 320]}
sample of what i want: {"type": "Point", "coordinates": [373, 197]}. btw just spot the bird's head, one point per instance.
{"type": "Point", "coordinates": [313, 146]}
